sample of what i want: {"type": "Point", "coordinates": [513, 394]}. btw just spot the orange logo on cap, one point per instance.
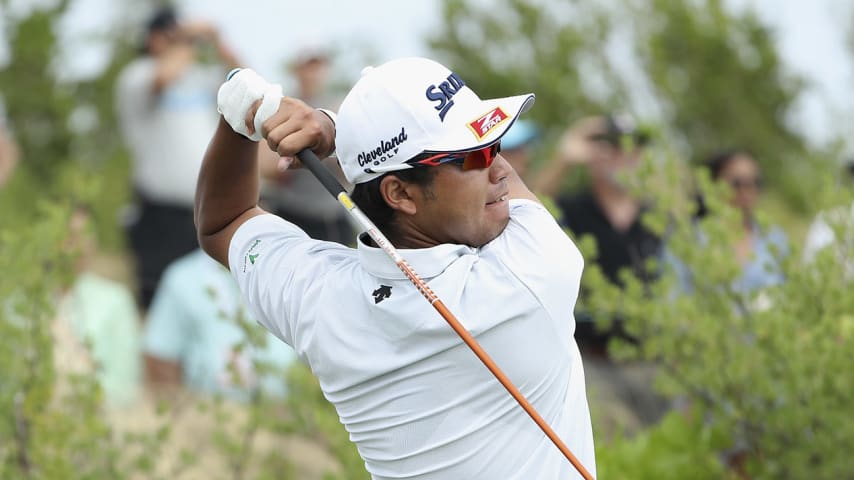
{"type": "Point", "coordinates": [484, 125]}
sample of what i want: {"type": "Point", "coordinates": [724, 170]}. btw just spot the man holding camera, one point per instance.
{"type": "Point", "coordinates": [166, 102]}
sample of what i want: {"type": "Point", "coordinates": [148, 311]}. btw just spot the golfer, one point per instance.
{"type": "Point", "coordinates": [421, 149]}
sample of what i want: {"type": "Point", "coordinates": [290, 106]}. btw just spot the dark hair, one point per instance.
{"type": "Point", "coordinates": [163, 19]}
{"type": "Point", "coordinates": [370, 200]}
{"type": "Point", "coordinates": [718, 161]}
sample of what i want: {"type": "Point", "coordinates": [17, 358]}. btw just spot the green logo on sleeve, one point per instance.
{"type": "Point", "coordinates": [251, 256]}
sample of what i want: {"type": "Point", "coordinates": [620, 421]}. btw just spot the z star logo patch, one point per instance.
{"type": "Point", "coordinates": [381, 293]}
{"type": "Point", "coordinates": [484, 125]}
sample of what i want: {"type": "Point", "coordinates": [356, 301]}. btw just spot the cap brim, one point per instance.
{"type": "Point", "coordinates": [482, 124]}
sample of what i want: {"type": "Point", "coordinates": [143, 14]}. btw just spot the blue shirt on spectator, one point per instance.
{"type": "Point", "coordinates": [761, 271]}
{"type": "Point", "coordinates": [192, 321]}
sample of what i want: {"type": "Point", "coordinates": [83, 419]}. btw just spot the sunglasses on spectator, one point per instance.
{"type": "Point", "coordinates": [740, 183]}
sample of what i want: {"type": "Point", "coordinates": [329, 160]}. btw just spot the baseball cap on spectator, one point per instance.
{"type": "Point", "coordinates": [619, 126]}
{"type": "Point", "coordinates": [310, 52]}
{"type": "Point", "coordinates": [520, 134]}
{"type": "Point", "coordinates": [413, 106]}
{"type": "Point", "coordinates": [162, 19]}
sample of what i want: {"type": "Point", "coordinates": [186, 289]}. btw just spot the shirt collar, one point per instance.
{"type": "Point", "coordinates": [427, 262]}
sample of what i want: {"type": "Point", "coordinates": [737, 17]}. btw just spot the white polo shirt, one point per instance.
{"type": "Point", "coordinates": [417, 403]}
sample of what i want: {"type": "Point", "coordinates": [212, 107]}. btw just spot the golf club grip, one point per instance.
{"type": "Point", "coordinates": [311, 162]}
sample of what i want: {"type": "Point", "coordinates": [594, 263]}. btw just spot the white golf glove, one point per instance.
{"type": "Point", "coordinates": [242, 88]}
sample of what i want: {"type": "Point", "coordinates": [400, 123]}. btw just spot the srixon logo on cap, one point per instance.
{"type": "Point", "coordinates": [485, 124]}
{"type": "Point", "coordinates": [444, 92]}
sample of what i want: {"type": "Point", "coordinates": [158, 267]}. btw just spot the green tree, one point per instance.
{"type": "Point", "coordinates": [41, 110]}
{"type": "Point", "coordinates": [720, 83]}
{"type": "Point", "coordinates": [521, 46]}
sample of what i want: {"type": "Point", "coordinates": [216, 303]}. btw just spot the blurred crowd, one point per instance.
{"type": "Point", "coordinates": [179, 326]}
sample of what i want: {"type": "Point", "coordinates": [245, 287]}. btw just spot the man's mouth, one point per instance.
{"type": "Point", "coordinates": [499, 199]}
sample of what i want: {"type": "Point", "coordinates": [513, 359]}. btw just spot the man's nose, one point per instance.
{"type": "Point", "coordinates": [499, 169]}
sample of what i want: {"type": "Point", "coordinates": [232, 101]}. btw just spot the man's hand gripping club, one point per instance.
{"type": "Point", "coordinates": [258, 110]}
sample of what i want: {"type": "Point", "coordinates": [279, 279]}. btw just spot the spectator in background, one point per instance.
{"type": "Point", "coordinates": [296, 195]}
{"type": "Point", "coordinates": [192, 335]}
{"type": "Point", "coordinates": [608, 146]}
{"type": "Point", "coordinates": [822, 232]}
{"type": "Point", "coordinates": [8, 150]}
{"type": "Point", "coordinates": [517, 146]}
{"type": "Point", "coordinates": [757, 250]}
{"type": "Point", "coordinates": [97, 324]}
{"type": "Point", "coordinates": [166, 102]}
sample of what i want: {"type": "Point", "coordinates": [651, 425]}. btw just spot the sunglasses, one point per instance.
{"type": "Point", "coordinates": [739, 183]}
{"type": "Point", "coordinates": [474, 159]}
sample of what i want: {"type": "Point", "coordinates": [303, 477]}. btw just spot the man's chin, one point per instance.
{"type": "Point", "coordinates": [495, 234]}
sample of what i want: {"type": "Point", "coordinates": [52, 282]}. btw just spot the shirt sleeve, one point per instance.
{"type": "Point", "coordinates": [122, 369]}
{"type": "Point", "coordinates": [133, 90]}
{"type": "Point", "coordinates": [280, 271]}
{"type": "Point", "coordinates": [540, 253]}
{"type": "Point", "coordinates": [166, 334]}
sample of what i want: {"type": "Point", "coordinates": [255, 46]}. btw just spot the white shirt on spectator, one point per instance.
{"type": "Point", "coordinates": [821, 235]}
{"type": "Point", "coordinates": [416, 401]}
{"type": "Point", "coordinates": [167, 133]}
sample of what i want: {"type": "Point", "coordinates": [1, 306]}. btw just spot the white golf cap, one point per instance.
{"type": "Point", "coordinates": [411, 106]}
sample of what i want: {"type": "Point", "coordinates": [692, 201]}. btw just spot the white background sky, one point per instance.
{"type": "Point", "coordinates": [810, 34]}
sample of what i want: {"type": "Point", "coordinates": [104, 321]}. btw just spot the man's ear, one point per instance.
{"type": "Point", "coordinates": [399, 195]}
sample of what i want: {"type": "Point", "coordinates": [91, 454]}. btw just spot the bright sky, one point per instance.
{"type": "Point", "coordinates": [810, 35]}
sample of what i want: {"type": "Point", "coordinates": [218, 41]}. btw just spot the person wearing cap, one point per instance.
{"type": "Point", "coordinates": [166, 105]}
{"type": "Point", "coordinates": [421, 149]}
{"type": "Point", "coordinates": [609, 147]}
{"type": "Point", "coordinates": [295, 195]}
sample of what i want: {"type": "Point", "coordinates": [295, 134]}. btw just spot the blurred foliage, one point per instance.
{"type": "Point", "coordinates": [47, 431]}
{"type": "Point", "coordinates": [764, 369]}
{"type": "Point", "coordinates": [55, 424]}
{"type": "Point", "coordinates": [62, 128]}
{"type": "Point", "coordinates": [517, 46]}
{"type": "Point", "coordinates": [721, 83]}
{"type": "Point", "coordinates": [713, 76]}
{"type": "Point", "coordinates": [679, 447]}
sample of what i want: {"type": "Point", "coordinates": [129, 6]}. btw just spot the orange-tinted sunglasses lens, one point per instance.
{"type": "Point", "coordinates": [482, 158]}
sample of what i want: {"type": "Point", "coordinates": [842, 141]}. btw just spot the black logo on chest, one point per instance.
{"type": "Point", "coordinates": [381, 293]}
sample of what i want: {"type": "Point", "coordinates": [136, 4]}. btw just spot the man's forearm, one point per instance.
{"type": "Point", "coordinates": [228, 182]}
